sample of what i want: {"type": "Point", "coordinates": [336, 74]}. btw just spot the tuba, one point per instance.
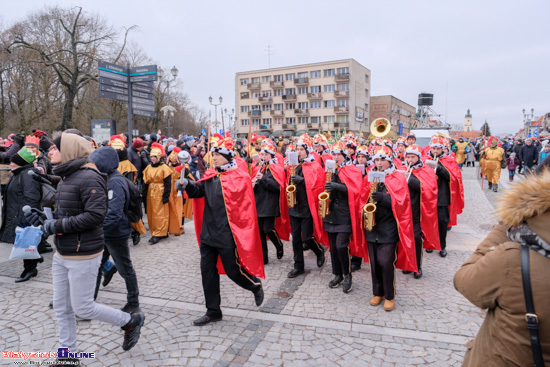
{"type": "Point", "coordinates": [380, 127]}
{"type": "Point", "coordinates": [324, 197]}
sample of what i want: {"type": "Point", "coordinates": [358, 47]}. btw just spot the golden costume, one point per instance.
{"type": "Point", "coordinates": [461, 152]}
{"type": "Point", "coordinates": [493, 157]}
{"type": "Point", "coordinates": [158, 214]}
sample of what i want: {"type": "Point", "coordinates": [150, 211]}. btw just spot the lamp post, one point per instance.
{"type": "Point", "coordinates": [230, 117]}
{"type": "Point", "coordinates": [527, 118]}
{"type": "Point", "coordinates": [174, 71]}
{"type": "Point", "coordinates": [216, 110]}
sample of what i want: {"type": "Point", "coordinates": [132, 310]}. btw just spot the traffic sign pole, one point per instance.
{"type": "Point", "coordinates": [130, 109]}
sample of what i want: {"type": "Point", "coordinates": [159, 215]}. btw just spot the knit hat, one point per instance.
{"type": "Point", "coordinates": [45, 143]}
{"type": "Point", "coordinates": [138, 143]}
{"type": "Point", "coordinates": [57, 142]}
{"type": "Point", "coordinates": [153, 137]}
{"type": "Point", "coordinates": [38, 133]}
{"type": "Point", "coordinates": [23, 157]}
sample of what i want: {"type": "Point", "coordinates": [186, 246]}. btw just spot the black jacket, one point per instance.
{"type": "Point", "coordinates": [339, 219]}
{"type": "Point", "coordinates": [21, 190]}
{"type": "Point", "coordinates": [12, 149]}
{"type": "Point", "coordinates": [80, 208]}
{"type": "Point", "coordinates": [414, 191]}
{"type": "Point", "coordinates": [301, 209]}
{"type": "Point", "coordinates": [528, 154]}
{"type": "Point", "coordinates": [267, 192]}
{"type": "Point", "coordinates": [443, 187]}
{"type": "Point", "coordinates": [215, 224]}
{"type": "Point", "coordinates": [385, 229]}
{"type": "Point", "coordinates": [137, 160]}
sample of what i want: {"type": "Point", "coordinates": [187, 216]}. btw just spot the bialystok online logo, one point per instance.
{"type": "Point", "coordinates": [62, 353]}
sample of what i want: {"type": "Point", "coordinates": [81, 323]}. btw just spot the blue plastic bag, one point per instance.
{"type": "Point", "coordinates": [26, 243]}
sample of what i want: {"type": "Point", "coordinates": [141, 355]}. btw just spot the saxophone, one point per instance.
{"type": "Point", "coordinates": [324, 199]}
{"type": "Point", "coordinates": [369, 209]}
{"type": "Point", "coordinates": [291, 190]}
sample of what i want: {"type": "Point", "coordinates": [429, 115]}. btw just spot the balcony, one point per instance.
{"type": "Point", "coordinates": [301, 81]}
{"type": "Point", "coordinates": [265, 99]}
{"type": "Point", "coordinates": [266, 128]}
{"type": "Point", "coordinates": [310, 125]}
{"type": "Point", "coordinates": [289, 97]}
{"type": "Point", "coordinates": [341, 125]}
{"type": "Point", "coordinates": [254, 113]}
{"type": "Point", "coordinates": [254, 86]}
{"type": "Point", "coordinates": [341, 78]}
{"type": "Point", "coordinates": [301, 112]}
{"type": "Point", "coordinates": [277, 85]}
{"type": "Point", "coordinates": [342, 110]}
{"type": "Point", "coordinates": [314, 96]}
{"type": "Point", "coordinates": [341, 94]}
{"type": "Point", "coordinates": [277, 113]}
{"type": "Point", "coordinates": [289, 126]}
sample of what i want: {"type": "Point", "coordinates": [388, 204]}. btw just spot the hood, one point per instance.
{"type": "Point", "coordinates": [527, 201]}
{"type": "Point", "coordinates": [106, 159]}
{"type": "Point", "coordinates": [74, 146]}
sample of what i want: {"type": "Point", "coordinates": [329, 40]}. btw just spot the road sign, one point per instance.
{"type": "Point", "coordinates": [143, 95]}
{"type": "Point", "coordinates": [110, 88]}
{"type": "Point", "coordinates": [140, 88]}
{"type": "Point", "coordinates": [149, 102]}
{"type": "Point", "coordinates": [110, 75]}
{"type": "Point", "coordinates": [144, 107]}
{"type": "Point", "coordinates": [143, 78]}
{"type": "Point", "coordinates": [203, 131]}
{"type": "Point", "coordinates": [117, 96]}
{"type": "Point", "coordinates": [221, 132]}
{"type": "Point", "coordinates": [114, 83]}
{"type": "Point", "coordinates": [113, 68]}
{"type": "Point", "coordinates": [143, 70]}
{"type": "Point", "coordinates": [145, 113]}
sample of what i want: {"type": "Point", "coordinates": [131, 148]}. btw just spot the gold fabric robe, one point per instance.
{"type": "Point", "coordinates": [493, 157]}
{"type": "Point", "coordinates": [158, 214]}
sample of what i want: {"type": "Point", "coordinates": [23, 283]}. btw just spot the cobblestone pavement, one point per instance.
{"type": "Point", "coordinates": [301, 323]}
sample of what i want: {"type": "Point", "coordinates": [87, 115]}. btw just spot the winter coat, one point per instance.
{"type": "Point", "coordinates": [511, 163]}
{"type": "Point", "coordinates": [543, 155]}
{"type": "Point", "coordinates": [471, 153]}
{"type": "Point", "coordinates": [201, 164]}
{"type": "Point", "coordinates": [5, 156]}
{"type": "Point", "coordinates": [267, 192]}
{"type": "Point", "coordinates": [491, 279]}
{"type": "Point", "coordinates": [81, 200]}
{"type": "Point", "coordinates": [116, 223]}
{"type": "Point", "coordinates": [137, 160]}
{"type": "Point", "coordinates": [21, 190]}
{"type": "Point", "coordinates": [528, 154]}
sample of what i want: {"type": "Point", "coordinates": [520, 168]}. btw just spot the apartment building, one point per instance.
{"type": "Point", "coordinates": [289, 101]}
{"type": "Point", "coordinates": [401, 114]}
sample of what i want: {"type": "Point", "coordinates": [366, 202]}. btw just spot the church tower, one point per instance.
{"type": "Point", "coordinates": [468, 121]}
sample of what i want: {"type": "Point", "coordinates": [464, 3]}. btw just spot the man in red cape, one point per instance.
{"type": "Point", "coordinates": [343, 222]}
{"type": "Point", "coordinates": [423, 192]}
{"type": "Point", "coordinates": [321, 150]}
{"type": "Point", "coordinates": [391, 241]}
{"type": "Point", "coordinates": [226, 227]}
{"type": "Point", "coordinates": [306, 225]}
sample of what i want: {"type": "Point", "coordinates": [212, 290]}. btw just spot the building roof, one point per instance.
{"type": "Point", "coordinates": [301, 65]}
{"type": "Point", "coordinates": [465, 134]}
{"type": "Point", "coordinates": [468, 114]}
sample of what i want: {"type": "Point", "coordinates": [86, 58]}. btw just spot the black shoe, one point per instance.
{"type": "Point", "coordinates": [128, 308]}
{"type": "Point", "coordinates": [154, 240]}
{"type": "Point", "coordinates": [429, 251]}
{"type": "Point", "coordinates": [321, 258]}
{"type": "Point", "coordinates": [47, 250]}
{"type": "Point", "coordinates": [355, 267]}
{"type": "Point", "coordinates": [449, 228]}
{"type": "Point", "coordinates": [266, 261]}
{"type": "Point", "coordinates": [109, 275]}
{"type": "Point", "coordinates": [26, 276]}
{"type": "Point", "coordinates": [151, 239]}
{"type": "Point", "coordinates": [443, 253]}
{"type": "Point", "coordinates": [295, 272]}
{"type": "Point", "coordinates": [407, 271]}
{"type": "Point", "coordinates": [490, 185]}
{"type": "Point", "coordinates": [334, 283]}
{"type": "Point", "coordinates": [64, 362]}
{"type": "Point", "coordinates": [259, 296]}
{"type": "Point", "coordinates": [132, 330]}
{"type": "Point", "coordinates": [419, 274]}
{"type": "Point", "coordinates": [201, 321]}
{"type": "Point", "coordinates": [161, 237]}
{"type": "Point", "coordinates": [305, 247]}
{"type": "Point", "coordinates": [135, 238]}
{"type": "Point", "coordinates": [280, 252]}
{"type": "Point", "coordinates": [495, 188]}
{"type": "Point", "coordinates": [347, 286]}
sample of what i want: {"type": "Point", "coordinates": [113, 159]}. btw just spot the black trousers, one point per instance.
{"type": "Point", "coordinates": [382, 268]}
{"type": "Point", "coordinates": [357, 261]}
{"type": "Point", "coordinates": [119, 250]}
{"type": "Point", "coordinates": [302, 231]}
{"type": "Point", "coordinates": [211, 277]}
{"type": "Point", "coordinates": [339, 253]}
{"type": "Point", "coordinates": [443, 218]}
{"type": "Point", "coordinates": [418, 242]}
{"type": "Point", "coordinates": [267, 228]}
{"type": "Point", "coordinates": [31, 264]}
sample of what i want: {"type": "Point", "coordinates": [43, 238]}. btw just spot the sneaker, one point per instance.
{"type": "Point", "coordinates": [347, 286]}
{"type": "Point", "coordinates": [109, 275]}
{"type": "Point", "coordinates": [132, 330]}
{"type": "Point", "coordinates": [334, 283]}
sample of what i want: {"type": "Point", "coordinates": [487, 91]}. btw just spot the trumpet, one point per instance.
{"type": "Point", "coordinates": [324, 197]}
{"type": "Point", "coordinates": [291, 190]}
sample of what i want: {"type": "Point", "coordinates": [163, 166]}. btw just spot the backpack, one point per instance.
{"type": "Point", "coordinates": [133, 210]}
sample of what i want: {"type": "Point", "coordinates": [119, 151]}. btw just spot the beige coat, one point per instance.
{"type": "Point", "coordinates": [491, 279]}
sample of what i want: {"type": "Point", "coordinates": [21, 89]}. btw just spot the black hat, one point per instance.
{"type": "Point", "coordinates": [57, 142]}
{"type": "Point", "coordinates": [45, 143]}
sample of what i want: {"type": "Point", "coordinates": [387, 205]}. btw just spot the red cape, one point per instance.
{"type": "Point", "coordinates": [399, 165]}
{"type": "Point", "coordinates": [241, 214]}
{"type": "Point", "coordinates": [457, 190]}
{"type": "Point", "coordinates": [396, 183]}
{"type": "Point", "coordinates": [428, 207]}
{"type": "Point", "coordinates": [352, 177]}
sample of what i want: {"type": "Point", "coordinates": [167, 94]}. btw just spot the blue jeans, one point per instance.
{"type": "Point", "coordinates": [511, 173]}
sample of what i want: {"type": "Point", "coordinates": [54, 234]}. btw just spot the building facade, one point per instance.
{"type": "Point", "coordinates": [289, 101]}
{"type": "Point", "coordinates": [401, 114]}
{"type": "Point", "coordinates": [468, 122]}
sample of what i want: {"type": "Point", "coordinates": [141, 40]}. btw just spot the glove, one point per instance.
{"type": "Point", "coordinates": [180, 186]}
{"type": "Point", "coordinates": [19, 140]}
{"type": "Point", "coordinates": [336, 187]}
{"type": "Point", "coordinates": [377, 196]}
{"type": "Point", "coordinates": [298, 180]}
{"type": "Point", "coordinates": [35, 217]}
{"type": "Point", "coordinates": [329, 186]}
{"type": "Point", "coordinates": [48, 228]}
{"type": "Point", "coordinates": [248, 160]}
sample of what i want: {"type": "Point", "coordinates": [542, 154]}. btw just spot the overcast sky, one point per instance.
{"type": "Point", "coordinates": [490, 56]}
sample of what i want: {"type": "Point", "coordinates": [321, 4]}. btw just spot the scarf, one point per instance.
{"type": "Point", "coordinates": [525, 236]}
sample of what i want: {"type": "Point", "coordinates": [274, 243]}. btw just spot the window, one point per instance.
{"type": "Point", "coordinates": [266, 79]}
{"type": "Point", "coordinates": [302, 90]}
{"type": "Point", "coordinates": [367, 93]}
{"type": "Point", "coordinates": [329, 119]}
{"type": "Point", "coordinates": [245, 122]}
{"type": "Point", "coordinates": [256, 80]}
{"type": "Point", "coordinates": [245, 95]}
{"type": "Point", "coordinates": [245, 108]}
{"type": "Point", "coordinates": [343, 103]}
{"type": "Point", "coordinates": [266, 107]}
{"type": "Point", "coordinates": [278, 106]}
{"type": "Point", "coordinates": [289, 77]}
{"type": "Point", "coordinates": [266, 93]}
{"type": "Point", "coordinates": [329, 104]}
{"type": "Point", "coordinates": [343, 87]}
{"type": "Point", "coordinates": [290, 120]}
{"type": "Point", "coordinates": [302, 75]}
{"type": "Point", "coordinates": [302, 120]}
{"type": "Point", "coordinates": [290, 106]}
{"type": "Point", "coordinates": [344, 118]}
{"type": "Point", "coordinates": [244, 81]}
{"type": "Point", "coordinates": [329, 88]}
{"type": "Point", "coordinates": [278, 78]}
{"type": "Point", "coordinates": [278, 92]}
{"type": "Point", "coordinates": [328, 72]}
{"type": "Point", "coordinates": [343, 71]}
{"type": "Point", "coordinates": [315, 89]}
{"type": "Point", "coordinates": [255, 94]}
{"type": "Point", "coordinates": [290, 91]}
{"type": "Point", "coordinates": [266, 122]}
{"type": "Point", "coordinates": [315, 74]}
{"type": "Point", "coordinates": [315, 104]}
{"type": "Point", "coordinates": [256, 122]}
{"type": "Point", "coordinates": [278, 120]}
{"type": "Point", "coordinates": [302, 105]}
{"type": "Point", "coordinates": [256, 107]}
{"type": "Point", "coordinates": [316, 120]}
{"type": "Point", "coordinates": [366, 78]}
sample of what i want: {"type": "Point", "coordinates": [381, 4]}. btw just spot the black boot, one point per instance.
{"type": "Point", "coordinates": [419, 274]}
{"type": "Point", "coordinates": [26, 275]}
{"type": "Point", "coordinates": [347, 287]}
{"type": "Point", "coordinates": [490, 185]}
{"type": "Point", "coordinates": [109, 275]}
{"type": "Point", "coordinates": [334, 283]}
{"type": "Point", "coordinates": [259, 296]}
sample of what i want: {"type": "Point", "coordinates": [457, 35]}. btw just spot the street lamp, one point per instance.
{"type": "Point", "coordinates": [168, 109]}
{"type": "Point", "coordinates": [230, 117]}
{"type": "Point", "coordinates": [216, 110]}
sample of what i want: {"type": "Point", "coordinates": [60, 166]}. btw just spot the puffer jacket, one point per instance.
{"type": "Point", "coordinates": [491, 279]}
{"type": "Point", "coordinates": [81, 200]}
